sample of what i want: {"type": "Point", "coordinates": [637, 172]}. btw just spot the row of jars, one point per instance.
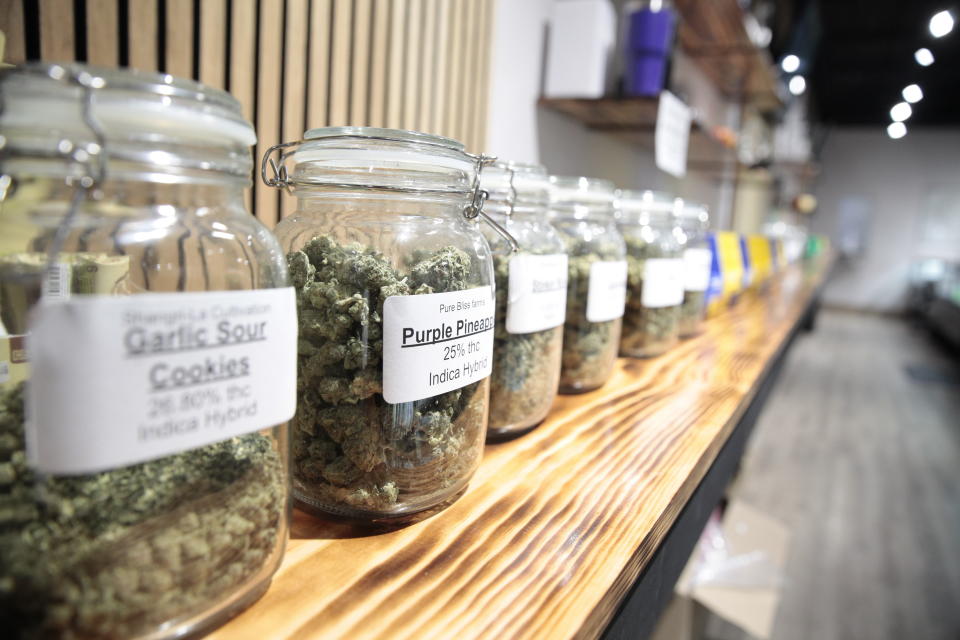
{"type": "Point", "coordinates": [593, 273]}
{"type": "Point", "coordinates": [189, 371]}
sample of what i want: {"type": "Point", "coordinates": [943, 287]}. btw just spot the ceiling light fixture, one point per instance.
{"type": "Point", "coordinates": [912, 93]}
{"type": "Point", "coordinates": [941, 24]}
{"type": "Point", "coordinates": [896, 130]}
{"type": "Point", "coordinates": [900, 112]}
{"type": "Point", "coordinates": [790, 63]}
{"type": "Point", "coordinates": [923, 57]}
{"type": "Point", "coordinates": [797, 85]}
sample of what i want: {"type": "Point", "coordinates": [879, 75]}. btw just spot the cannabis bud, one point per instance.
{"type": "Point", "coordinates": [691, 312]}
{"type": "Point", "coordinates": [354, 453]}
{"type": "Point", "coordinates": [589, 348]}
{"type": "Point", "coordinates": [647, 331]}
{"type": "Point", "coordinates": [525, 366]}
{"type": "Point", "coordinates": [115, 554]}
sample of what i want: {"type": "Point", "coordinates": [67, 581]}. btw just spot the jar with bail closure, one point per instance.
{"type": "Point", "coordinates": [581, 209]}
{"type": "Point", "coordinates": [396, 311]}
{"type": "Point", "coordinates": [147, 496]}
{"type": "Point", "coordinates": [531, 290]}
{"type": "Point", "coordinates": [655, 257]}
{"type": "Point", "coordinates": [693, 222]}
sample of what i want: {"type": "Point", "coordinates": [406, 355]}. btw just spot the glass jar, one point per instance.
{"type": "Point", "coordinates": [693, 223]}
{"type": "Point", "coordinates": [394, 286]}
{"type": "Point", "coordinates": [581, 210]}
{"type": "Point", "coordinates": [531, 290]}
{"type": "Point", "coordinates": [147, 496]}
{"type": "Point", "coordinates": [655, 281]}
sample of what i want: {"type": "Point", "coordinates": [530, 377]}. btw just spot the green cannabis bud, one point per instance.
{"type": "Point", "coordinates": [525, 366]}
{"type": "Point", "coordinates": [691, 312]}
{"type": "Point", "coordinates": [353, 451]}
{"type": "Point", "coordinates": [118, 553]}
{"type": "Point", "coordinates": [589, 348]}
{"type": "Point", "coordinates": [647, 331]}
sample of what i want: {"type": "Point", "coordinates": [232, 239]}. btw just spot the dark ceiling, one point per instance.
{"type": "Point", "coordinates": [862, 53]}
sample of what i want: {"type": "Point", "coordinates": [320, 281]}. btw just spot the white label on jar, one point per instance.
{"type": "Point", "coordinates": [662, 282]}
{"type": "Point", "coordinates": [607, 293]}
{"type": "Point", "coordinates": [124, 379]}
{"type": "Point", "coordinates": [536, 293]}
{"type": "Point", "coordinates": [696, 269]}
{"type": "Point", "coordinates": [436, 342]}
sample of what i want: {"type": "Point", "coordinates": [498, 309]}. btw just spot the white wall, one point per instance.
{"type": "Point", "coordinates": [906, 191]}
{"type": "Point", "coordinates": [519, 130]}
{"type": "Point", "coordinates": [515, 72]}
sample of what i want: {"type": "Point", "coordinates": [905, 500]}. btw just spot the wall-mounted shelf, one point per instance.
{"type": "Point", "coordinates": [712, 33]}
{"type": "Point", "coordinates": [633, 120]}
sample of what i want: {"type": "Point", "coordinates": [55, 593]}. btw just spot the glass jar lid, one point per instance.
{"type": "Point", "coordinates": [570, 190]}
{"type": "Point", "coordinates": [77, 113]}
{"type": "Point", "coordinates": [516, 183]}
{"type": "Point", "coordinates": [376, 158]}
{"type": "Point", "coordinates": [647, 207]}
{"type": "Point", "coordinates": [693, 213]}
{"type": "Point", "coordinates": [372, 160]}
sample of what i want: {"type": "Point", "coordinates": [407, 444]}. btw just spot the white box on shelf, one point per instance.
{"type": "Point", "coordinates": [579, 51]}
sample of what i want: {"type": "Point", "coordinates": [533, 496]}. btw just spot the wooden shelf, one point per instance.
{"type": "Point", "coordinates": [556, 525]}
{"type": "Point", "coordinates": [712, 32]}
{"type": "Point", "coordinates": [633, 120]}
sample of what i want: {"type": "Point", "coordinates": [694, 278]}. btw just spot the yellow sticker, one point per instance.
{"type": "Point", "coordinates": [761, 261]}
{"type": "Point", "coordinates": [731, 263]}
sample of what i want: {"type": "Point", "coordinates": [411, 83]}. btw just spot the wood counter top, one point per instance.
{"type": "Point", "coordinates": [557, 524]}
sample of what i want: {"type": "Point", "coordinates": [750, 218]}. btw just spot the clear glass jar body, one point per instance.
{"type": "Point", "coordinates": [526, 366]}
{"type": "Point", "coordinates": [693, 224]}
{"type": "Point", "coordinates": [650, 327]}
{"type": "Point", "coordinates": [590, 235]}
{"type": "Point", "coordinates": [179, 543]}
{"type": "Point", "coordinates": [363, 233]}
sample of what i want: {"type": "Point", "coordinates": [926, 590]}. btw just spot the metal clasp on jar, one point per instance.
{"type": "Point", "coordinates": [91, 157]}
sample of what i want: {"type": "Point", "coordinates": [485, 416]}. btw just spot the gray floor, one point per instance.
{"type": "Point", "coordinates": [858, 452]}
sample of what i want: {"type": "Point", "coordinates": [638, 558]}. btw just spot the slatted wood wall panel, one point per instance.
{"type": "Point", "coordinates": [293, 64]}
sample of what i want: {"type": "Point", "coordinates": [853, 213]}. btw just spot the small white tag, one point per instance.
{"type": "Point", "coordinates": [437, 342]}
{"type": "Point", "coordinates": [662, 282]}
{"type": "Point", "coordinates": [696, 269]}
{"type": "Point", "coordinates": [123, 379]}
{"type": "Point", "coordinates": [607, 293]}
{"type": "Point", "coordinates": [672, 135]}
{"type": "Point", "coordinates": [537, 293]}
{"type": "Point", "coordinates": [56, 281]}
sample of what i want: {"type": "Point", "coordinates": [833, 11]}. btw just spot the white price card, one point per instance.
{"type": "Point", "coordinates": [436, 343]}
{"type": "Point", "coordinates": [536, 292]}
{"type": "Point", "coordinates": [124, 379]}
{"type": "Point", "coordinates": [696, 269]}
{"type": "Point", "coordinates": [607, 291]}
{"type": "Point", "coordinates": [662, 282]}
{"type": "Point", "coordinates": [672, 135]}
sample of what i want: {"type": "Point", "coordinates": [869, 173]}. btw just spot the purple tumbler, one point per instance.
{"type": "Point", "coordinates": [649, 36]}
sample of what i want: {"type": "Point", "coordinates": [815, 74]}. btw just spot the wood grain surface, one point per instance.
{"type": "Point", "coordinates": [713, 32]}
{"type": "Point", "coordinates": [557, 524]}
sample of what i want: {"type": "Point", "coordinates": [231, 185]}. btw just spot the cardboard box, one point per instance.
{"type": "Point", "coordinates": [736, 572]}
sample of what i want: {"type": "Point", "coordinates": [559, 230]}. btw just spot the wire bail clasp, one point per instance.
{"type": "Point", "coordinates": [475, 208]}
{"type": "Point", "coordinates": [92, 157]}
{"type": "Point", "coordinates": [281, 178]}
